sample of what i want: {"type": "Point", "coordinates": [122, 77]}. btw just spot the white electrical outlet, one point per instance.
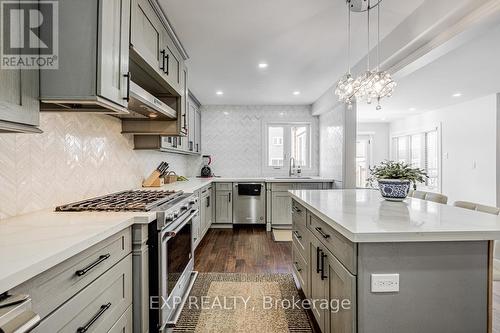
{"type": "Point", "coordinates": [385, 283]}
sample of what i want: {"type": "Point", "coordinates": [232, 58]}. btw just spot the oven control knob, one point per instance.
{"type": "Point", "coordinates": [184, 208]}
{"type": "Point", "coordinates": [192, 202]}
{"type": "Point", "coordinates": [176, 214]}
{"type": "Point", "coordinates": [170, 217]}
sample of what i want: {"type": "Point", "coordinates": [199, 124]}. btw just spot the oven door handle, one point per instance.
{"type": "Point", "coordinates": [171, 233]}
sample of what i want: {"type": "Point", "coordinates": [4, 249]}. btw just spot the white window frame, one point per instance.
{"type": "Point", "coordinates": [287, 146]}
{"type": "Point", "coordinates": [437, 128]}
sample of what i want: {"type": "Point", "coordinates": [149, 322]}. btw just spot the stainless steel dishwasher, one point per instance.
{"type": "Point", "coordinates": [249, 206]}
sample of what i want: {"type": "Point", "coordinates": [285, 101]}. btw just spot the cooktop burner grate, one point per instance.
{"type": "Point", "coordinates": [134, 201]}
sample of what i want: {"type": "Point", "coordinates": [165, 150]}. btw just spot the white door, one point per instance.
{"type": "Point", "coordinates": [363, 159]}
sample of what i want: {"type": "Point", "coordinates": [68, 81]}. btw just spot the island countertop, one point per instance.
{"type": "Point", "coordinates": [364, 216]}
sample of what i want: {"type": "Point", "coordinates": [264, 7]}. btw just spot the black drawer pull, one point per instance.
{"type": "Point", "coordinates": [127, 76]}
{"type": "Point", "coordinates": [84, 271]}
{"type": "Point", "coordinates": [85, 328]}
{"type": "Point", "coordinates": [318, 229]}
{"type": "Point", "coordinates": [297, 267]}
{"type": "Point", "coordinates": [318, 253]}
{"type": "Point", "coordinates": [162, 67]}
{"type": "Point", "coordinates": [323, 276]}
{"type": "Point", "coordinates": [296, 210]}
{"type": "Point", "coordinates": [296, 233]}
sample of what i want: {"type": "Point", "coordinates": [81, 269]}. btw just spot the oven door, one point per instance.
{"type": "Point", "coordinates": [175, 263]}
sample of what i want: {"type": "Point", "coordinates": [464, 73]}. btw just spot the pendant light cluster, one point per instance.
{"type": "Point", "coordinates": [373, 84]}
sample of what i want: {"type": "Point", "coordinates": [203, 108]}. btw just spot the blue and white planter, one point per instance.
{"type": "Point", "coordinates": [394, 189]}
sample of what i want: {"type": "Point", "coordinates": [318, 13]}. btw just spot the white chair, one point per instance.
{"type": "Point", "coordinates": [429, 196]}
{"type": "Point", "coordinates": [496, 247]}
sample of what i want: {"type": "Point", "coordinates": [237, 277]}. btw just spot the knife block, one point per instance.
{"type": "Point", "coordinates": [154, 180]}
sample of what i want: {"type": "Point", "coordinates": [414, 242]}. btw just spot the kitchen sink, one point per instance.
{"type": "Point", "coordinates": [292, 178]}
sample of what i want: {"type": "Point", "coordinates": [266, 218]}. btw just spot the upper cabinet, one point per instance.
{"type": "Point", "coordinates": [19, 107]}
{"type": "Point", "coordinates": [94, 55]}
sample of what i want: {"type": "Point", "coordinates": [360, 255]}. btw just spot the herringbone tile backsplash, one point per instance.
{"type": "Point", "coordinates": [234, 136]}
{"type": "Point", "coordinates": [78, 156]}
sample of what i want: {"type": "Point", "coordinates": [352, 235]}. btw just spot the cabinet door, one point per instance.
{"type": "Point", "coordinates": [19, 90]}
{"type": "Point", "coordinates": [341, 288]}
{"type": "Point", "coordinates": [281, 208]}
{"type": "Point", "coordinates": [224, 207]}
{"type": "Point", "coordinates": [196, 229]}
{"type": "Point", "coordinates": [197, 140]}
{"type": "Point", "coordinates": [113, 64]}
{"type": "Point", "coordinates": [170, 62]}
{"type": "Point", "coordinates": [317, 284]}
{"type": "Point", "coordinates": [145, 32]}
{"type": "Point", "coordinates": [191, 125]}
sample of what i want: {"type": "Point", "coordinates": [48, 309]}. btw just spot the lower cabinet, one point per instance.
{"type": "Point", "coordinates": [124, 324]}
{"type": "Point", "coordinates": [223, 206]}
{"type": "Point", "coordinates": [281, 212]}
{"type": "Point", "coordinates": [327, 279]}
{"type": "Point", "coordinates": [97, 307]}
{"type": "Point", "coordinates": [206, 210]}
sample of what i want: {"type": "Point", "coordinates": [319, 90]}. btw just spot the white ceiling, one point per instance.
{"type": "Point", "coordinates": [472, 69]}
{"type": "Point", "coordinates": [303, 41]}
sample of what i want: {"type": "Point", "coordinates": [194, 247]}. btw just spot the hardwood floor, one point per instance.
{"type": "Point", "coordinates": [244, 249]}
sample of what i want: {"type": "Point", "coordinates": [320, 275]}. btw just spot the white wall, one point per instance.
{"type": "Point", "coordinates": [78, 156]}
{"type": "Point", "coordinates": [380, 140]}
{"type": "Point", "coordinates": [338, 145]}
{"type": "Point", "coordinates": [469, 136]}
{"type": "Point", "coordinates": [234, 136]}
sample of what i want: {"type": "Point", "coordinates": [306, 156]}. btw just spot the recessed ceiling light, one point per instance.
{"type": "Point", "coordinates": [383, 119]}
{"type": "Point", "coordinates": [226, 113]}
{"type": "Point", "coordinates": [457, 94]}
{"type": "Point", "coordinates": [263, 65]}
{"type": "Point", "coordinates": [296, 93]}
{"type": "Point", "coordinates": [412, 109]}
{"type": "Point", "coordinates": [219, 93]}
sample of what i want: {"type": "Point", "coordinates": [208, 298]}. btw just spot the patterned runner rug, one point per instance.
{"type": "Point", "coordinates": [233, 302]}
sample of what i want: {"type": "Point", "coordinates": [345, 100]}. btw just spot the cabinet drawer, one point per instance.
{"type": "Point", "coordinates": [124, 324]}
{"type": "Point", "coordinates": [300, 239]}
{"type": "Point", "coordinates": [52, 288]}
{"type": "Point", "coordinates": [343, 249]}
{"type": "Point", "coordinates": [300, 269]}
{"type": "Point", "coordinates": [281, 187]}
{"type": "Point", "coordinates": [309, 186]}
{"type": "Point", "coordinates": [98, 307]}
{"type": "Point", "coordinates": [299, 214]}
{"type": "Point", "coordinates": [224, 186]}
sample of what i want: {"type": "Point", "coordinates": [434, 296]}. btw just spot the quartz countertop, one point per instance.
{"type": "Point", "coordinates": [364, 216]}
{"type": "Point", "coordinates": [32, 243]}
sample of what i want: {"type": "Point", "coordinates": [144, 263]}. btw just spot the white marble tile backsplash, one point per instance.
{"type": "Point", "coordinates": [234, 136]}
{"type": "Point", "coordinates": [78, 156]}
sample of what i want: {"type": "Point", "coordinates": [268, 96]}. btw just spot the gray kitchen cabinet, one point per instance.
{"type": "Point", "coordinates": [152, 46]}
{"type": "Point", "coordinates": [317, 285]}
{"type": "Point", "coordinates": [281, 213]}
{"type": "Point", "coordinates": [197, 138]}
{"type": "Point", "coordinates": [101, 28]}
{"type": "Point", "coordinates": [192, 122]}
{"type": "Point", "coordinates": [223, 206]}
{"type": "Point", "coordinates": [206, 209]}
{"type": "Point", "coordinates": [19, 106]}
{"type": "Point", "coordinates": [146, 33]}
{"type": "Point", "coordinates": [124, 324]}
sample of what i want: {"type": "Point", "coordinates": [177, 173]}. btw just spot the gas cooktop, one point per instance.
{"type": "Point", "coordinates": [133, 201]}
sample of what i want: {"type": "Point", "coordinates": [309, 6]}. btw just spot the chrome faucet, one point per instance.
{"type": "Point", "coordinates": [291, 170]}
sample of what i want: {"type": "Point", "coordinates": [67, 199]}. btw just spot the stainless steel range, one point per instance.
{"type": "Point", "coordinates": [170, 241]}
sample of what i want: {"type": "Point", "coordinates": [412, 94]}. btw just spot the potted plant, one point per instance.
{"type": "Point", "coordinates": [395, 178]}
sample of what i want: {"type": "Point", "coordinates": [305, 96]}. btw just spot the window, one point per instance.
{"type": "Point", "coordinates": [278, 141]}
{"type": "Point", "coordinates": [420, 150]}
{"type": "Point", "coordinates": [288, 140]}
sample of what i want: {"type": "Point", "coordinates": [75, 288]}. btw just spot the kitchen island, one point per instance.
{"type": "Point", "coordinates": [412, 266]}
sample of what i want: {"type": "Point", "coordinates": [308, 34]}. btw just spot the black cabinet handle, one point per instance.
{"type": "Point", "coordinates": [197, 147]}
{"type": "Point", "coordinates": [168, 65]}
{"type": "Point", "coordinates": [184, 121]}
{"type": "Point", "coordinates": [323, 276]}
{"type": "Point", "coordinates": [85, 270]}
{"type": "Point", "coordinates": [296, 233]}
{"type": "Point", "coordinates": [318, 254]}
{"type": "Point", "coordinates": [296, 210]}
{"type": "Point", "coordinates": [318, 229]}
{"type": "Point", "coordinates": [85, 328]}
{"type": "Point", "coordinates": [208, 201]}
{"type": "Point", "coordinates": [162, 67]}
{"type": "Point", "coordinates": [190, 145]}
{"type": "Point", "coordinates": [229, 197]}
{"type": "Point", "coordinates": [297, 267]}
{"type": "Point", "coordinates": [127, 98]}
